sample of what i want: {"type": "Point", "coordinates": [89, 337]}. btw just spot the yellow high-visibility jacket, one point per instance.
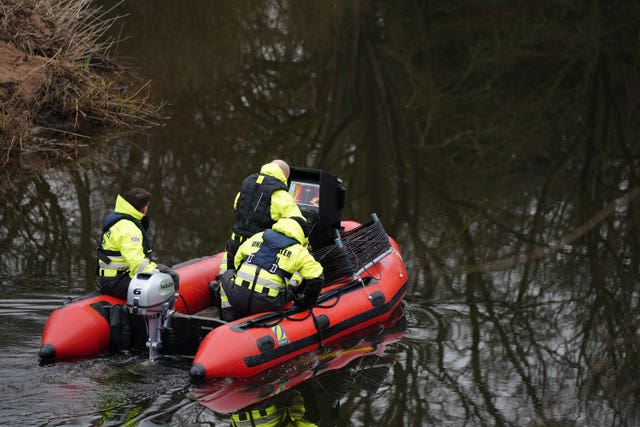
{"type": "Point", "coordinates": [123, 243]}
{"type": "Point", "coordinates": [295, 261]}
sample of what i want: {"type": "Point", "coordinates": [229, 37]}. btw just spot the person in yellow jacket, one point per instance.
{"type": "Point", "coordinates": [124, 246]}
{"type": "Point", "coordinates": [274, 267]}
{"type": "Point", "coordinates": [262, 200]}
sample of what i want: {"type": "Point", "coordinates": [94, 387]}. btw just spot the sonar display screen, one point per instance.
{"type": "Point", "coordinates": [305, 194]}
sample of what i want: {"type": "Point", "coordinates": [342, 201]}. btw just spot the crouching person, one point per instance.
{"type": "Point", "coordinates": [274, 267]}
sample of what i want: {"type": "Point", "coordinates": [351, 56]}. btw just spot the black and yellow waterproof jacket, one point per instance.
{"type": "Point", "coordinates": [288, 264]}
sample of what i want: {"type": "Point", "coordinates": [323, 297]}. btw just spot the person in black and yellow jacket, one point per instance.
{"type": "Point", "coordinates": [274, 267]}
{"type": "Point", "coordinates": [262, 200]}
{"type": "Point", "coordinates": [124, 246]}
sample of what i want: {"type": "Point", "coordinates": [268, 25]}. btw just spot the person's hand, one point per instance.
{"type": "Point", "coordinates": [162, 268]}
{"type": "Point", "coordinates": [308, 291]}
{"type": "Point", "coordinates": [171, 272]}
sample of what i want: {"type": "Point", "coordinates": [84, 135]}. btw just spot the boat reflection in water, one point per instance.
{"type": "Point", "coordinates": [309, 387]}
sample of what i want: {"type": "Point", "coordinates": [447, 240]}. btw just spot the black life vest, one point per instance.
{"type": "Point", "coordinates": [253, 209]}
{"type": "Point", "coordinates": [265, 257]}
{"type": "Point", "coordinates": [109, 221]}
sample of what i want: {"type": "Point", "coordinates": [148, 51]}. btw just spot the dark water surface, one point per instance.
{"type": "Point", "coordinates": [499, 144]}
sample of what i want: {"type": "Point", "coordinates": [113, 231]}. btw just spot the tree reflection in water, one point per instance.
{"type": "Point", "coordinates": [495, 142]}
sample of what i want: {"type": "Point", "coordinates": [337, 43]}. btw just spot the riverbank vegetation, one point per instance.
{"type": "Point", "coordinates": [60, 89]}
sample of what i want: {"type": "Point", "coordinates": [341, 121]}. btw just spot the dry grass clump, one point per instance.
{"type": "Point", "coordinates": [58, 86]}
{"type": "Point", "coordinates": [69, 28]}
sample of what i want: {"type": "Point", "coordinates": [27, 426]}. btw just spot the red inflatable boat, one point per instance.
{"type": "Point", "coordinates": [360, 349]}
{"type": "Point", "coordinates": [365, 281]}
{"type": "Point", "coordinates": [247, 346]}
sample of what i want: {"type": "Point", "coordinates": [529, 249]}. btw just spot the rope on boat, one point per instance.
{"type": "Point", "coordinates": [354, 251]}
{"type": "Point", "coordinates": [318, 329]}
{"type": "Point", "coordinates": [275, 317]}
{"type": "Point", "coordinates": [184, 301]}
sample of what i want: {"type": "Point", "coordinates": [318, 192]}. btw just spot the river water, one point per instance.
{"type": "Point", "coordinates": [498, 144]}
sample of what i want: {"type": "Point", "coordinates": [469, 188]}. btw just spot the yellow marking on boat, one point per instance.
{"type": "Point", "coordinates": [281, 335]}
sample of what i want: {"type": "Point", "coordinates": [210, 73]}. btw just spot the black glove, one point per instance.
{"type": "Point", "coordinates": [162, 268]}
{"type": "Point", "coordinates": [171, 272]}
{"type": "Point", "coordinates": [308, 292]}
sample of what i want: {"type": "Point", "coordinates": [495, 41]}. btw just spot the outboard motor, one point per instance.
{"type": "Point", "coordinates": [152, 295]}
